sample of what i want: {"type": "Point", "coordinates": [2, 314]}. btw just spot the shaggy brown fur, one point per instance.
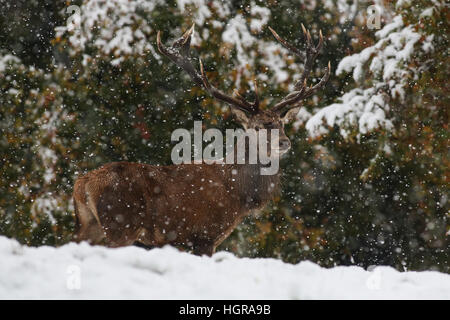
{"type": "Point", "coordinates": [190, 205]}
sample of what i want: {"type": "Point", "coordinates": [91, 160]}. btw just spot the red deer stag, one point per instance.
{"type": "Point", "coordinates": [192, 205]}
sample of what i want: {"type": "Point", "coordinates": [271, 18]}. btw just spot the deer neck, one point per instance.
{"type": "Point", "coordinates": [254, 188]}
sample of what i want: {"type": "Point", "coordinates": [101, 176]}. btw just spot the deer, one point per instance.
{"type": "Point", "coordinates": [194, 206]}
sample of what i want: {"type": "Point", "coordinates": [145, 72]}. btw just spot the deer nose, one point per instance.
{"type": "Point", "coordinates": [285, 144]}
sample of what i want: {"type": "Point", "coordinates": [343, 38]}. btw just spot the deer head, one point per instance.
{"type": "Point", "coordinates": [249, 114]}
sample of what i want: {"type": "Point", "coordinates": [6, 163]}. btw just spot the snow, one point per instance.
{"type": "Point", "coordinates": [256, 25]}
{"type": "Point", "coordinates": [427, 12]}
{"type": "Point", "coordinates": [7, 59]}
{"type": "Point", "coordinates": [112, 20]}
{"type": "Point", "coordinates": [270, 52]}
{"type": "Point", "coordinates": [81, 271]}
{"type": "Point", "coordinates": [364, 108]}
{"type": "Point", "coordinates": [237, 33]}
{"type": "Point", "coordinates": [395, 24]}
{"type": "Point", "coordinates": [202, 12]}
{"type": "Point", "coordinates": [106, 29]}
{"type": "Point", "coordinates": [368, 109]}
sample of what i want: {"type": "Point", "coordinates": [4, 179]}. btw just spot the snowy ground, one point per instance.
{"type": "Point", "coordinates": [84, 272]}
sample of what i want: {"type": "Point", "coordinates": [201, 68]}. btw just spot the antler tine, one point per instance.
{"type": "Point", "coordinates": [311, 54]}
{"type": "Point", "coordinates": [179, 54]}
{"type": "Point", "coordinates": [288, 46]}
{"type": "Point", "coordinates": [304, 29]}
{"type": "Point", "coordinates": [301, 89]}
{"type": "Point", "coordinates": [290, 99]}
{"type": "Point", "coordinates": [204, 77]}
{"type": "Point", "coordinates": [183, 61]}
{"type": "Point", "coordinates": [295, 97]}
{"type": "Point", "coordinates": [319, 45]}
{"type": "Point", "coordinates": [321, 83]}
{"type": "Point", "coordinates": [185, 41]}
{"type": "Point", "coordinates": [256, 103]}
{"type": "Point", "coordinates": [185, 38]}
{"type": "Point", "coordinates": [241, 103]}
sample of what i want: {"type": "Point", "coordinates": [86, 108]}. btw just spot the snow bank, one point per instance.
{"type": "Point", "coordinates": [85, 272]}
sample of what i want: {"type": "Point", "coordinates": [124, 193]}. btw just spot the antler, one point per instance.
{"type": "Point", "coordinates": [301, 90]}
{"type": "Point", "coordinates": [179, 54]}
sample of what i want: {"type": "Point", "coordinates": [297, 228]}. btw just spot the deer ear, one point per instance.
{"type": "Point", "coordinates": [290, 115]}
{"type": "Point", "coordinates": [241, 117]}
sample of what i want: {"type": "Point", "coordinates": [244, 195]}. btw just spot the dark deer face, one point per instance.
{"type": "Point", "coordinates": [249, 114]}
{"type": "Point", "coordinates": [268, 120]}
